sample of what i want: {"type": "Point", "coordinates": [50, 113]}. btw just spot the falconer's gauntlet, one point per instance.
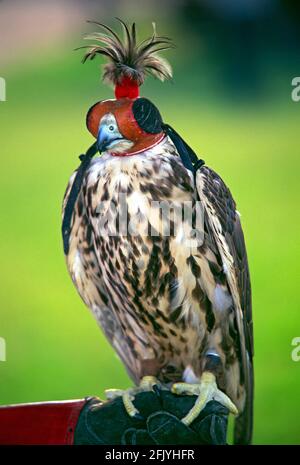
{"type": "Point", "coordinates": [108, 423]}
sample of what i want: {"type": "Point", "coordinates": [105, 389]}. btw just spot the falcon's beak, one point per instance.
{"type": "Point", "coordinates": [106, 137]}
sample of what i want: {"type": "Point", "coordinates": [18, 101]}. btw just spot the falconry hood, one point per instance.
{"type": "Point", "coordinates": [129, 118]}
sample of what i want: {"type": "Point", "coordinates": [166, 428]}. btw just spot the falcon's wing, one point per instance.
{"type": "Point", "coordinates": [224, 227]}
{"type": "Point", "coordinates": [86, 275]}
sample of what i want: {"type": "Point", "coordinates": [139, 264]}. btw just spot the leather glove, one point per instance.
{"type": "Point", "coordinates": [108, 423]}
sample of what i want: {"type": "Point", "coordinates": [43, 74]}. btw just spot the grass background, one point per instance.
{"type": "Point", "coordinates": [54, 347]}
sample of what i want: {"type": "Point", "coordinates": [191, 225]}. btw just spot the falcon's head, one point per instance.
{"type": "Point", "coordinates": [125, 126]}
{"type": "Point", "coordinates": [128, 124]}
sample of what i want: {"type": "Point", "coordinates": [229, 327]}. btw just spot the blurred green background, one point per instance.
{"type": "Point", "coordinates": [230, 99]}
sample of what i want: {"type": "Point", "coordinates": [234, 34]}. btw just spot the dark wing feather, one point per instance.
{"type": "Point", "coordinates": [223, 224]}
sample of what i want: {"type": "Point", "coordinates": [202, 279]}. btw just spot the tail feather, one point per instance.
{"type": "Point", "coordinates": [243, 426]}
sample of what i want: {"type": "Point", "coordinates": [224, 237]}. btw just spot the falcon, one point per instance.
{"type": "Point", "coordinates": [172, 295]}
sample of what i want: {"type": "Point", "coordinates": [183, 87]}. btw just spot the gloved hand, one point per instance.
{"type": "Point", "coordinates": [108, 423]}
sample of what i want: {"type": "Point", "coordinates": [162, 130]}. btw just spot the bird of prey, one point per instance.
{"type": "Point", "coordinates": [176, 310]}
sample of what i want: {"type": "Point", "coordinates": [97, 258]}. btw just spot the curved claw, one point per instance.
{"type": "Point", "coordinates": [138, 416]}
{"type": "Point", "coordinates": [156, 390]}
{"type": "Point", "coordinates": [224, 400]}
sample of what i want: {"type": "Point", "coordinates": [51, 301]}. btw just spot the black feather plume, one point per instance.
{"type": "Point", "coordinates": [126, 57]}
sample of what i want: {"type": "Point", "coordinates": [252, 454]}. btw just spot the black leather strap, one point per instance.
{"type": "Point", "coordinates": [66, 224]}
{"type": "Point", "coordinates": [187, 154]}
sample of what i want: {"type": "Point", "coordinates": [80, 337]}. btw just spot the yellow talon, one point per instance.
{"type": "Point", "coordinates": [128, 404]}
{"type": "Point", "coordinates": [146, 385]}
{"type": "Point", "coordinates": [206, 391]}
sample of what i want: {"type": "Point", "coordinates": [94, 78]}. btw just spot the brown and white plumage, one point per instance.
{"type": "Point", "coordinates": [162, 304]}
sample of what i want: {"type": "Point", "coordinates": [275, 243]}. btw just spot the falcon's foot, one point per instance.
{"type": "Point", "coordinates": [206, 391]}
{"type": "Point", "coordinates": [148, 383]}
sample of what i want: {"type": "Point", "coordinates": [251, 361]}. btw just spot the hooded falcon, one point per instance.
{"type": "Point", "coordinates": [171, 292]}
